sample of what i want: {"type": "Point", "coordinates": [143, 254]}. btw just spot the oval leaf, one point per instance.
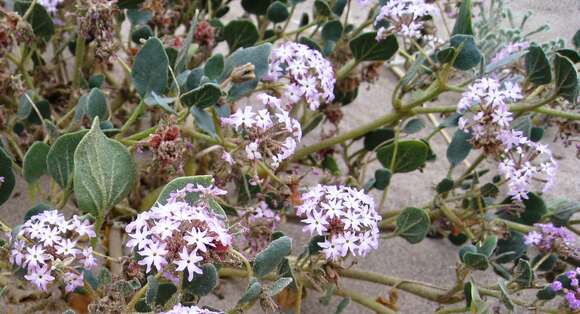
{"type": "Point", "coordinates": [413, 224]}
{"type": "Point", "coordinates": [365, 47]}
{"type": "Point", "coordinates": [34, 165]}
{"type": "Point", "coordinates": [411, 154]}
{"type": "Point", "coordinates": [60, 158]}
{"type": "Point", "coordinates": [150, 70]}
{"type": "Point", "coordinates": [268, 259]}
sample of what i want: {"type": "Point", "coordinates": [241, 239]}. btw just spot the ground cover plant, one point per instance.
{"type": "Point", "coordinates": [178, 137]}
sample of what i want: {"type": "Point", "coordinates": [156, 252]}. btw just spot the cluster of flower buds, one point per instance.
{"type": "Point", "coordinates": [178, 237]}
{"type": "Point", "coordinates": [98, 25]}
{"type": "Point", "coordinates": [509, 50]}
{"type": "Point", "coordinates": [258, 223]}
{"type": "Point", "coordinates": [345, 216]}
{"type": "Point", "coordinates": [522, 161]}
{"type": "Point", "coordinates": [48, 247]}
{"type": "Point", "coordinates": [268, 134]}
{"type": "Point", "coordinates": [205, 34]}
{"type": "Point", "coordinates": [310, 76]}
{"type": "Point", "coordinates": [404, 17]}
{"type": "Point", "coordinates": [180, 309]}
{"type": "Point", "coordinates": [570, 288]}
{"type": "Point", "coordinates": [549, 239]}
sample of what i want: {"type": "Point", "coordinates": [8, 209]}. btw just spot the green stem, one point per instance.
{"type": "Point", "coordinates": [133, 118]}
{"type": "Point", "coordinates": [79, 59]}
{"type": "Point", "coordinates": [345, 70]}
{"type": "Point", "coordinates": [365, 301]}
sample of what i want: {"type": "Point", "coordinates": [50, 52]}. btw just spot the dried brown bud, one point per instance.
{"type": "Point", "coordinates": [243, 73]}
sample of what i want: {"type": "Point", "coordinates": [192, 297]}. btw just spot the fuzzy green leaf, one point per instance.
{"type": "Point", "coordinates": [411, 155]}
{"type": "Point", "coordinates": [240, 33]}
{"type": "Point", "coordinates": [365, 47]}
{"type": "Point", "coordinates": [413, 224]}
{"type": "Point", "coordinates": [459, 148]}
{"type": "Point", "coordinates": [60, 158]}
{"type": "Point", "coordinates": [538, 66]}
{"type": "Point", "coordinates": [34, 165]}
{"type": "Point", "coordinates": [268, 259]}
{"type": "Point", "coordinates": [151, 68]}
{"type": "Point", "coordinates": [201, 284]}
{"type": "Point", "coordinates": [566, 79]}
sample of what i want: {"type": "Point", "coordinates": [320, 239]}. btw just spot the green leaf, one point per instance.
{"type": "Point", "coordinates": [546, 294]}
{"type": "Point", "coordinates": [444, 186]}
{"type": "Point", "coordinates": [342, 305]}
{"type": "Point", "coordinates": [258, 7]}
{"type": "Point", "coordinates": [571, 54]}
{"type": "Point", "coordinates": [488, 246]}
{"type": "Point", "coordinates": [277, 12]}
{"type": "Point", "coordinates": [534, 209]}
{"type": "Point", "coordinates": [154, 100]}
{"type": "Point", "coordinates": [510, 248]}
{"type": "Point", "coordinates": [312, 123]}
{"type": "Point", "coordinates": [252, 293]}
{"type": "Point", "coordinates": [104, 277]}
{"type": "Point", "coordinates": [523, 124]}
{"type": "Point", "coordinates": [39, 19]}
{"type": "Point", "coordinates": [377, 137]}
{"type": "Point", "coordinates": [331, 31]}
{"type": "Point", "coordinates": [104, 172]}
{"type": "Point", "coordinates": [203, 121]}
{"type": "Point", "coordinates": [24, 105]}
{"type": "Point", "coordinates": [413, 126]}
{"type": "Point", "coordinates": [322, 9]}
{"type": "Point", "coordinates": [202, 97]}
{"type": "Point", "coordinates": [139, 16]}
{"type": "Point", "coordinates": [476, 260]}
{"type": "Point", "coordinates": [129, 4]}
{"type": "Point", "coordinates": [413, 224]}
{"type": "Point", "coordinates": [339, 6]}
{"type": "Point", "coordinates": [459, 147]}
{"type": "Point", "coordinates": [576, 39]}
{"type": "Point", "coordinates": [35, 211]}
{"type": "Point", "coordinates": [365, 47]}
{"type": "Point", "coordinates": [330, 164]}
{"type": "Point", "coordinates": [268, 259]}
{"type": "Point", "coordinates": [151, 68]}
{"type": "Point", "coordinates": [505, 297]}
{"type": "Point", "coordinates": [523, 273]}
{"type": "Point", "coordinates": [382, 178]}
{"type": "Point", "coordinates": [182, 182]}
{"type": "Point", "coordinates": [60, 158]}
{"type": "Point", "coordinates": [566, 79]}
{"type": "Point", "coordinates": [538, 66]}
{"type": "Point", "coordinates": [201, 284]}
{"type": "Point", "coordinates": [278, 286]}
{"type": "Point", "coordinates": [240, 33]}
{"type": "Point", "coordinates": [310, 43]}
{"type": "Point", "coordinates": [468, 248]}
{"type": "Point", "coordinates": [97, 105]}
{"type": "Point", "coordinates": [141, 32]}
{"type": "Point", "coordinates": [313, 247]}
{"type": "Point", "coordinates": [469, 56]}
{"type": "Point", "coordinates": [411, 155]}
{"type": "Point", "coordinates": [152, 290]}
{"type": "Point", "coordinates": [463, 23]}
{"type": "Point", "coordinates": [258, 56]}
{"type": "Point", "coordinates": [562, 210]}
{"type": "Point", "coordinates": [34, 165]}
{"type": "Point", "coordinates": [214, 67]}
{"type": "Point", "coordinates": [96, 80]}
{"type": "Point", "coordinates": [6, 173]}
{"type": "Point", "coordinates": [547, 264]}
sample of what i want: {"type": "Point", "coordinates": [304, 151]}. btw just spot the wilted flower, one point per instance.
{"type": "Point", "coordinates": [271, 136]}
{"type": "Point", "coordinates": [550, 239]}
{"type": "Point", "coordinates": [47, 247]}
{"type": "Point", "coordinates": [180, 237]}
{"type": "Point", "coordinates": [98, 25]}
{"type": "Point", "coordinates": [180, 309]}
{"type": "Point", "coordinates": [167, 146]}
{"type": "Point", "coordinates": [404, 17]}
{"type": "Point", "coordinates": [310, 76]}
{"type": "Point", "coordinates": [205, 34]}
{"type": "Point", "coordinates": [257, 224]}
{"type": "Point", "coordinates": [345, 216]}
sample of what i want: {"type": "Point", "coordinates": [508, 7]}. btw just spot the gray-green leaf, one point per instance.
{"type": "Point", "coordinates": [150, 70]}
{"type": "Point", "coordinates": [413, 224]}
{"type": "Point", "coordinates": [60, 158]}
{"type": "Point", "coordinates": [104, 172]}
{"type": "Point", "coordinates": [34, 165]}
{"type": "Point", "coordinates": [365, 47]}
{"type": "Point", "coordinates": [268, 259]}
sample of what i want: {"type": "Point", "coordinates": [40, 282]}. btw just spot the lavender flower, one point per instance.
{"type": "Point", "coordinates": [179, 237]}
{"type": "Point", "coordinates": [2, 180]}
{"type": "Point", "coordinates": [570, 289]}
{"type": "Point", "coordinates": [180, 309]}
{"type": "Point", "coordinates": [405, 18]}
{"type": "Point", "coordinates": [47, 247]}
{"type": "Point", "coordinates": [309, 76]}
{"type": "Point", "coordinates": [552, 239]}
{"type": "Point", "coordinates": [522, 161]}
{"type": "Point", "coordinates": [345, 216]}
{"type": "Point", "coordinates": [510, 49]}
{"type": "Point", "coordinates": [267, 135]}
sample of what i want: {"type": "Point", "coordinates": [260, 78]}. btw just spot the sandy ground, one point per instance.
{"type": "Point", "coordinates": [431, 260]}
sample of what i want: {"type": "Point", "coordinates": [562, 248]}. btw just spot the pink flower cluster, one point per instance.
{"type": "Point", "coordinates": [258, 223]}
{"type": "Point", "coordinates": [552, 239]}
{"type": "Point", "coordinates": [48, 246]}
{"type": "Point", "coordinates": [310, 76]}
{"type": "Point", "coordinates": [178, 237]}
{"type": "Point", "coordinates": [522, 161]}
{"type": "Point", "coordinates": [405, 18]}
{"type": "Point", "coordinates": [268, 134]}
{"type": "Point", "coordinates": [345, 216]}
{"type": "Point", "coordinates": [510, 49]}
{"type": "Point", "coordinates": [180, 309]}
{"type": "Point", "coordinates": [571, 295]}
